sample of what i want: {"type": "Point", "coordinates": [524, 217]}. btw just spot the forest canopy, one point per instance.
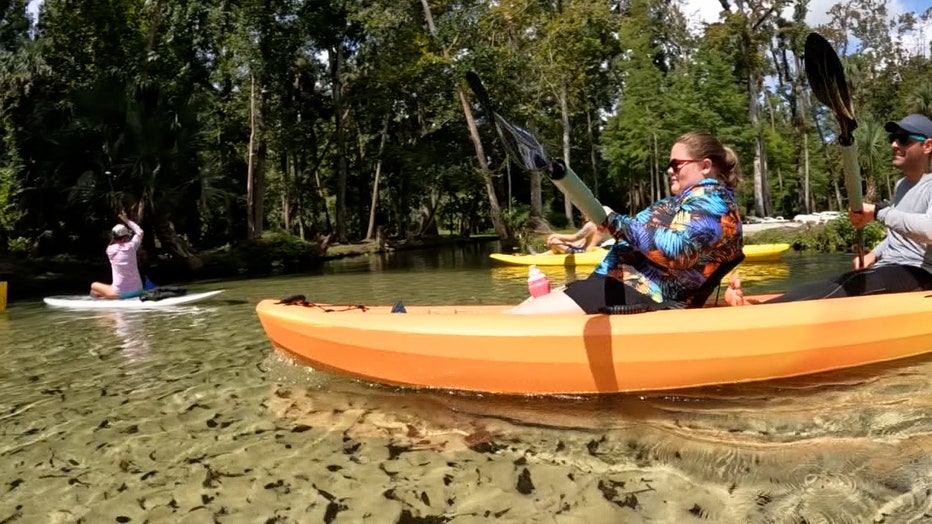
{"type": "Point", "coordinates": [214, 122]}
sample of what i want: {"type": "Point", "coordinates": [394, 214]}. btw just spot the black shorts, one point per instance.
{"type": "Point", "coordinates": [599, 291]}
{"type": "Point", "coordinates": [874, 280]}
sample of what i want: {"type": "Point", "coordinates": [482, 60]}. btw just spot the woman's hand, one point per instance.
{"type": "Point", "coordinates": [601, 227]}
{"type": "Point", "coordinates": [122, 216]}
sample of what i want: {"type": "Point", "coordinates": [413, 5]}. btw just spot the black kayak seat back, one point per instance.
{"type": "Point", "coordinates": [696, 300]}
{"type": "Point", "coordinates": [699, 298]}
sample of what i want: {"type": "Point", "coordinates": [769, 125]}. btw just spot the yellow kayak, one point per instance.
{"type": "Point", "coordinates": [764, 252]}
{"type": "Point", "coordinates": [589, 258]}
{"type": "Point", "coordinates": [752, 253]}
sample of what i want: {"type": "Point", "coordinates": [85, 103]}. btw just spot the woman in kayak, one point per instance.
{"type": "Point", "coordinates": [667, 251]}
{"type": "Point", "coordinates": [579, 242]}
{"type": "Point", "coordinates": [124, 243]}
{"type": "Point", "coordinates": [902, 262]}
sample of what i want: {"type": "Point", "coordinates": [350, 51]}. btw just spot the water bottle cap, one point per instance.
{"type": "Point", "coordinates": [534, 273]}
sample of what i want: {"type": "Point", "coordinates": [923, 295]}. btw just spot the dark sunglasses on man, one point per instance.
{"type": "Point", "coordinates": [903, 139]}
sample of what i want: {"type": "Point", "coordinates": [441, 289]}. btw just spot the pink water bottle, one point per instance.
{"type": "Point", "coordinates": [537, 282]}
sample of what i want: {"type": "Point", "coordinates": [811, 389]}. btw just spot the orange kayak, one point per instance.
{"type": "Point", "coordinates": [479, 348]}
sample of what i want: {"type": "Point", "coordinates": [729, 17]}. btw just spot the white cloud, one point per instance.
{"type": "Point", "coordinates": [707, 11]}
{"type": "Point", "coordinates": [699, 11]}
{"type": "Point", "coordinates": [33, 9]}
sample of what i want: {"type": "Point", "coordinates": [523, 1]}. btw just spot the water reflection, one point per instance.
{"type": "Point", "coordinates": [558, 275]}
{"type": "Point", "coordinates": [761, 272]}
{"type": "Point", "coordinates": [129, 327]}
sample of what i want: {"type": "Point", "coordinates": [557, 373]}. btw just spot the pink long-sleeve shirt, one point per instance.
{"type": "Point", "coordinates": [122, 256]}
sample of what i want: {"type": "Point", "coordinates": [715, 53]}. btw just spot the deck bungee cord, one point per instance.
{"type": "Point", "coordinates": [301, 300]}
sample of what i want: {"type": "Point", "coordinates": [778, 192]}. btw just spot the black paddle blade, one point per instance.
{"type": "Point", "coordinates": [478, 89]}
{"type": "Point", "coordinates": [827, 80]}
{"type": "Point", "coordinates": [521, 146]}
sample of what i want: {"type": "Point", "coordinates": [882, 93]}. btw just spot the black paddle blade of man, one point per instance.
{"type": "Point", "coordinates": [827, 79]}
{"type": "Point", "coordinates": [520, 145]}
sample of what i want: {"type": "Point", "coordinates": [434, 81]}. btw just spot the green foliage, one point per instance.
{"type": "Point", "coordinates": [836, 236]}
{"type": "Point", "coordinates": [517, 219]}
{"type": "Point", "coordinates": [18, 247]}
{"type": "Point", "coordinates": [276, 251]}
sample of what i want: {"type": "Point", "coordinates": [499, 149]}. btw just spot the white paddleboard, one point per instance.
{"type": "Point", "coordinates": [86, 302]}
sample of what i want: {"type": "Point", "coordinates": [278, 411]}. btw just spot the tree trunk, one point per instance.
{"type": "Point", "coordinates": [370, 231]}
{"type": "Point", "coordinates": [808, 206]}
{"type": "Point", "coordinates": [286, 167]}
{"type": "Point", "coordinates": [654, 170]}
{"type": "Point", "coordinates": [495, 209]}
{"type": "Point", "coordinates": [537, 198]}
{"type": "Point", "coordinates": [428, 226]}
{"type": "Point", "coordinates": [828, 163]}
{"type": "Point", "coordinates": [761, 193]}
{"type": "Point", "coordinates": [508, 177]}
{"type": "Point", "coordinates": [254, 229]}
{"type": "Point", "coordinates": [593, 156]}
{"type": "Point", "coordinates": [174, 244]}
{"type": "Point", "coordinates": [565, 123]}
{"type": "Point", "coordinates": [800, 106]}
{"type": "Point", "coordinates": [336, 66]}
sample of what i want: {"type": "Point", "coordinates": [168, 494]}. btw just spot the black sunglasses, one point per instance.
{"type": "Point", "coordinates": [903, 139]}
{"type": "Point", "coordinates": [676, 164]}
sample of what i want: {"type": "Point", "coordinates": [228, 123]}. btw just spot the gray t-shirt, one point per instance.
{"type": "Point", "coordinates": [909, 225]}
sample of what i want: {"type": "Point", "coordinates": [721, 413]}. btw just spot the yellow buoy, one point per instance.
{"type": "Point", "coordinates": [2, 296]}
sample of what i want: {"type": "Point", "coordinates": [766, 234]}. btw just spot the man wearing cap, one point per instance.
{"type": "Point", "coordinates": [903, 260]}
{"type": "Point", "coordinates": [124, 243]}
{"type": "Point", "coordinates": [909, 225]}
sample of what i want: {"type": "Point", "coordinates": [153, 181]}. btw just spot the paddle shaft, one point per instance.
{"type": "Point", "coordinates": [579, 194]}
{"type": "Point", "coordinates": [849, 155]}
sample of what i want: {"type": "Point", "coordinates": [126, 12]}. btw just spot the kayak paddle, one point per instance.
{"type": "Point", "coordinates": [827, 79]}
{"type": "Point", "coordinates": [524, 149]}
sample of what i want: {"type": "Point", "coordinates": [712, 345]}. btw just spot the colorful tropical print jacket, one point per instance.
{"type": "Point", "coordinates": [669, 249]}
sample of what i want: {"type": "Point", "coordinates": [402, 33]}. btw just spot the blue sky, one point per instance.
{"type": "Point", "coordinates": [917, 5]}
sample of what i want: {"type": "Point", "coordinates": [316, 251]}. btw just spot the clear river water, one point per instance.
{"type": "Point", "coordinates": [189, 415]}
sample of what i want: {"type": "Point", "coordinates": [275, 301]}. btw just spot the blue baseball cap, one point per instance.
{"type": "Point", "coordinates": [914, 124]}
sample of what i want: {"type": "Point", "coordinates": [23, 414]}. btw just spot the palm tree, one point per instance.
{"type": "Point", "coordinates": [920, 100]}
{"type": "Point", "coordinates": [874, 153]}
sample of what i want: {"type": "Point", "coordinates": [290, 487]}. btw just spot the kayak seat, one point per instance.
{"type": "Point", "coordinates": [697, 300]}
